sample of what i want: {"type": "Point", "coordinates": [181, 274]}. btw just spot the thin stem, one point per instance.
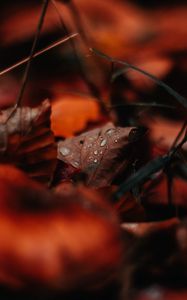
{"type": "Point", "coordinates": [171, 91]}
{"type": "Point", "coordinates": [27, 69]}
{"type": "Point", "coordinates": [175, 149]}
{"type": "Point", "coordinates": [83, 73]}
{"type": "Point", "coordinates": [179, 135]}
{"type": "Point", "coordinates": [62, 23]}
{"type": "Point", "coordinates": [144, 173]}
{"type": "Point", "coordinates": [142, 104]}
{"type": "Point", "coordinates": [38, 53]}
{"type": "Point", "coordinates": [77, 20]}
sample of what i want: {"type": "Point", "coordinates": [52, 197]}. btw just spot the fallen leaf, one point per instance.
{"type": "Point", "coordinates": [52, 241]}
{"type": "Point", "coordinates": [101, 154]}
{"type": "Point", "coordinates": [28, 142]}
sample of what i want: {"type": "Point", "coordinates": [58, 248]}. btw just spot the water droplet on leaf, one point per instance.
{"type": "Point", "coordinates": [103, 143]}
{"type": "Point", "coordinates": [75, 164]}
{"type": "Point", "coordinates": [110, 131]}
{"type": "Point", "coordinates": [64, 151]}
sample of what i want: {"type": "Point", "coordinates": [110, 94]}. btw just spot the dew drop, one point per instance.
{"type": "Point", "coordinates": [103, 143]}
{"type": "Point", "coordinates": [95, 152]}
{"type": "Point", "coordinates": [95, 160]}
{"type": "Point", "coordinates": [116, 141]}
{"type": "Point", "coordinates": [64, 151]}
{"type": "Point", "coordinates": [75, 164]}
{"type": "Point", "coordinates": [110, 131]}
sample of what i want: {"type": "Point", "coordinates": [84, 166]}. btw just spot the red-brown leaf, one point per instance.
{"type": "Point", "coordinates": [101, 154]}
{"type": "Point", "coordinates": [28, 142]}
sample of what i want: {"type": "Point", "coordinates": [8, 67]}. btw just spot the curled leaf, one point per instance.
{"type": "Point", "coordinates": [28, 142]}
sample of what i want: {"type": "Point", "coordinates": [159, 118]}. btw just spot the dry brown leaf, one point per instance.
{"type": "Point", "coordinates": [53, 241]}
{"type": "Point", "coordinates": [28, 142]}
{"type": "Point", "coordinates": [101, 154]}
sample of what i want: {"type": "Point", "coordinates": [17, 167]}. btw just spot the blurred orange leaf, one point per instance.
{"type": "Point", "coordinates": [72, 113]}
{"type": "Point", "coordinates": [52, 241]}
